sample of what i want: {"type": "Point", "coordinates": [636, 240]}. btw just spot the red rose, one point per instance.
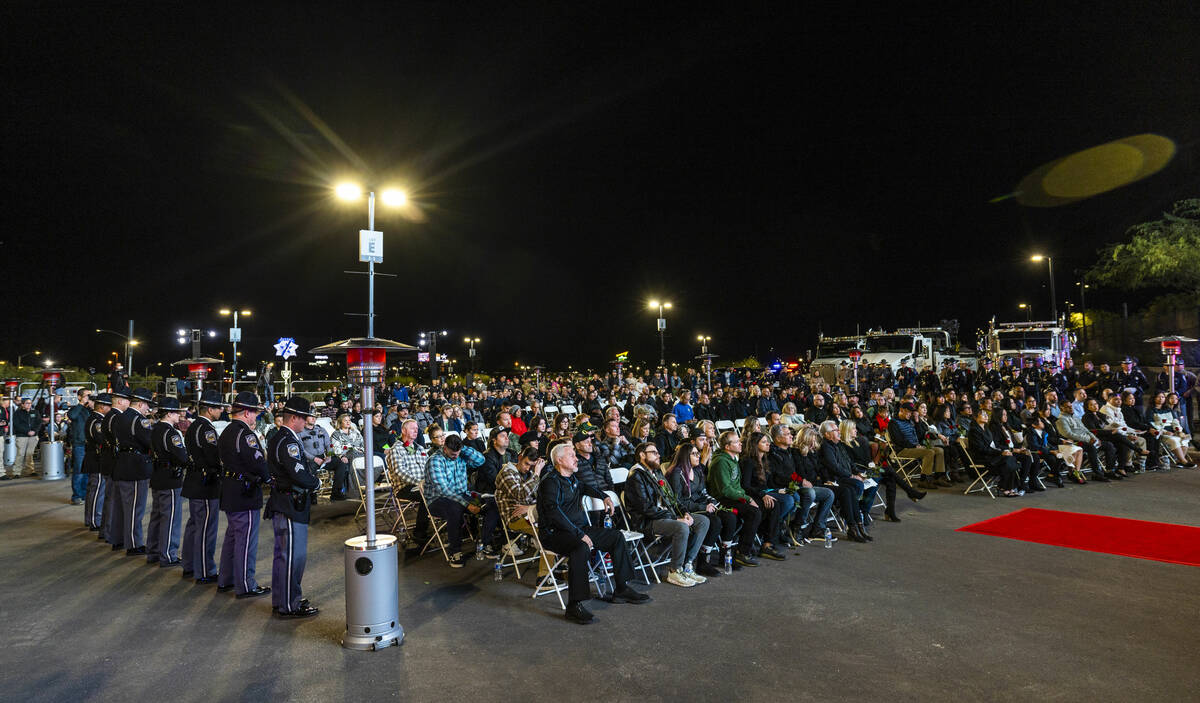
{"type": "Point", "coordinates": [796, 477]}
{"type": "Point", "coordinates": [735, 511]}
{"type": "Point", "coordinates": [661, 482]}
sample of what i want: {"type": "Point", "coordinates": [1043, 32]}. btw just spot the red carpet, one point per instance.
{"type": "Point", "coordinates": [1159, 541]}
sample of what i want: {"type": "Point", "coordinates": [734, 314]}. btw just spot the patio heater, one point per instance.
{"type": "Point", "coordinates": [52, 451]}
{"type": "Point", "coordinates": [1172, 347]}
{"type": "Point", "coordinates": [11, 386]}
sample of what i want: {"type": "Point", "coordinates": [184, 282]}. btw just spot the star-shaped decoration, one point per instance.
{"type": "Point", "coordinates": [286, 347]}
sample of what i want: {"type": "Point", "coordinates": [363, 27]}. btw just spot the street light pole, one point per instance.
{"type": "Point", "coordinates": [1083, 310]}
{"type": "Point", "coordinates": [471, 352]}
{"type": "Point", "coordinates": [431, 336]}
{"type": "Point", "coordinates": [1053, 300]}
{"type": "Point", "coordinates": [662, 330]}
{"type": "Point", "coordinates": [35, 352]}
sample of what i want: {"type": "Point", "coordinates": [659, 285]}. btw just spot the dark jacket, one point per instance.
{"type": "Point", "coordinates": [170, 457]}
{"type": "Point", "coordinates": [292, 491]}
{"type": "Point", "coordinates": [808, 466]}
{"type": "Point", "coordinates": [751, 485]}
{"type": "Point", "coordinates": [983, 448]}
{"type": "Point", "coordinates": [666, 444]}
{"type": "Point", "coordinates": [835, 462]}
{"type": "Point", "coordinates": [26, 421]}
{"type": "Point", "coordinates": [692, 495]}
{"type": "Point", "coordinates": [77, 430]}
{"type": "Point", "coordinates": [780, 467]}
{"type": "Point", "coordinates": [203, 477]}
{"type": "Point", "coordinates": [485, 475]}
{"type": "Point", "coordinates": [903, 434]}
{"type": "Point", "coordinates": [559, 504]}
{"type": "Point", "coordinates": [593, 471]}
{"type": "Point", "coordinates": [644, 499]}
{"type": "Point", "coordinates": [245, 468]}
{"type": "Point", "coordinates": [95, 443]}
{"type": "Point", "coordinates": [133, 446]}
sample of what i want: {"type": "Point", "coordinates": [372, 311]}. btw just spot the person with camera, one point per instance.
{"type": "Point", "coordinates": [289, 509]}
{"type": "Point", "coordinates": [202, 490]}
{"type": "Point", "coordinates": [241, 498]}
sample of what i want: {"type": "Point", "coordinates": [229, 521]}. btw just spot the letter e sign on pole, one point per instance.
{"type": "Point", "coordinates": [370, 246]}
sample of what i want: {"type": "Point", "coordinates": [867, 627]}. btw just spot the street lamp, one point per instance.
{"type": "Point", "coordinates": [662, 329]}
{"type": "Point", "coordinates": [235, 333]}
{"type": "Point", "coordinates": [22, 356]}
{"type": "Point", "coordinates": [130, 342]}
{"type": "Point", "coordinates": [1028, 311]}
{"type": "Point", "coordinates": [1083, 309]}
{"type": "Point", "coordinates": [704, 340]}
{"type": "Point", "coordinates": [430, 337]}
{"type": "Point", "coordinates": [370, 242]}
{"type": "Point", "coordinates": [471, 352]}
{"type": "Point", "coordinates": [1050, 266]}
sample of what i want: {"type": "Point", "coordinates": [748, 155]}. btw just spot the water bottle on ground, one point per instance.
{"type": "Point", "coordinates": [828, 538]}
{"type": "Point", "coordinates": [498, 574]}
{"type": "Point", "coordinates": [479, 551]}
{"type": "Point", "coordinates": [728, 562]}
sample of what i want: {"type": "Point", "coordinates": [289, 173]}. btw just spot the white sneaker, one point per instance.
{"type": "Point", "coordinates": [690, 572]}
{"type": "Point", "coordinates": [513, 550]}
{"type": "Point", "coordinates": [679, 578]}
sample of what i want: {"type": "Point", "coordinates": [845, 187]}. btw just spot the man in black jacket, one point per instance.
{"type": "Point", "coordinates": [593, 469]}
{"type": "Point", "coordinates": [289, 510]}
{"type": "Point", "coordinates": [202, 489]}
{"type": "Point", "coordinates": [984, 451]}
{"type": "Point", "coordinates": [665, 440]}
{"type": "Point", "coordinates": [563, 529]}
{"type": "Point", "coordinates": [170, 461]}
{"type": "Point", "coordinates": [654, 511]}
{"type": "Point", "coordinates": [494, 459]}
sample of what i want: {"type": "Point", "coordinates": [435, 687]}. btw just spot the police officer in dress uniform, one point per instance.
{"type": "Point", "coordinates": [245, 471]}
{"type": "Point", "coordinates": [93, 502]}
{"type": "Point", "coordinates": [133, 468]}
{"type": "Point", "coordinates": [990, 379]}
{"type": "Point", "coordinates": [1131, 378]}
{"type": "Point", "coordinates": [288, 509]}
{"type": "Point", "coordinates": [202, 489]}
{"type": "Point", "coordinates": [110, 517]}
{"type": "Point", "coordinates": [170, 461]}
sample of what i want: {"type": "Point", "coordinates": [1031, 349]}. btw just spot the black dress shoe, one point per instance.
{"type": "Point", "coordinates": [890, 517]}
{"type": "Point", "coordinates": [853, 533]}
{"type": "Point", "coordinates": [303, 604]}
{"type": "Point", "coordinates": [1058, 481]}
{"type": "Point", "coordinates": [255, 592]}
{"type": "Point", "coordinates": [135, 551]}
{"type": "Point", "coordinates": [169, 564]}
{"type": "Point", "coordinates": [93, 529]}
{"type": "Point", "coordinates": [578, 614]}
{"type": "Point", "coordinates": [628, 595]}
{"type": "Point", "coordinates": [917, 495]}
{"type": "Point", "coordinates": [305, 611]}
{"type": "Point", "coordinates": [205, 580]}
{"type": "Point", "coordinates": [224, 589]}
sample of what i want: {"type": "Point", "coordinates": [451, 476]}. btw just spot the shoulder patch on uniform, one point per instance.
{"type": "Point", "coordinates": [252, 440]}
{"type": "Point", "coordinates": [210, 436]}
{"type": "Point", "coordinates": [293, 450]}
{"type": "Point", "coordinates": [146, 423]}
{"type": "Point", "coordinates": [176, 440]}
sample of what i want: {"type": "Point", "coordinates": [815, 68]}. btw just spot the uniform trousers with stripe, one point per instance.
{"type": "Point", "coordinates": [200, 536]}
{"type": "Point", "coordinates": [110, 525]}
{"type": "Point", "coordinates": [291, 555]}
{"type": "Point", "coordinates": [162, 534]}
{"type": "Point", "coordinates": [133, 510]}
{"type": "Point", "coordinates": [93, 501]}
{"type": "Point", "coordinates": [239, 551]}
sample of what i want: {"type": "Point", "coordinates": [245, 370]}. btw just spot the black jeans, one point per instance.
{"type": "Point", "coordinates": [577, 553]}
{"type": "Point", "coordinates": [751, 518]}
{"type": "Point", "coordinates": [341, 469]}
{"type": "Point", "coordinates": [452, 512]}
{"type": "Point", "coordinates": [724, 527]}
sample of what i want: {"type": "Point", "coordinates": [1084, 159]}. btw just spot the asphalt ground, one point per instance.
{"type": "Point", "coordinates": [923, 613]}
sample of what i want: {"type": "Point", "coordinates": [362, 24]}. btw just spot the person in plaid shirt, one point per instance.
{"type": "Point", "coordinates": [446, 491]}
{"type": "Point", "coordinates": [516, 489]}
{"type": "Point", "coordinates": [406, 461]}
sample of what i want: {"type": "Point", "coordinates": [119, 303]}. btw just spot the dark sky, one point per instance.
{"type": "Point", "coordinates": [770, 170]}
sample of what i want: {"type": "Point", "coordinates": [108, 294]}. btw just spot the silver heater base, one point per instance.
{"type": "Point", "coordinates": [372, 594]}
{"type": "Point", "coordinates": [52, 461]}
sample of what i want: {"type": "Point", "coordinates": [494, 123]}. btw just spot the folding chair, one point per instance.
{"type": "Point", "coordinates": [508, 557]}
{"type": "Point", "coordinates": [398, 506]}
{"type": "Point", "coordinates": [724, 425]}
{"type": "Point", "coordinates": [550, 411]}
{"type": "Point", "coordinates": [619, 475]}
{"type": "Point", "coordinates": [907, 466]}
{"type": "Point", "coordinates": [982, 479]}
{"type": "Point", "coordinates": [549, 583]}
{"type": "Point", "coordinates": [568, 410]}
{"type": "Point", "coordinates": [739, 423]}
{"type": "Point", "coordinates": [438, 526]}
{"type": "Point", "coordinates": [357, 465]}
{"type": "Point", "coordinates": [642, 560]}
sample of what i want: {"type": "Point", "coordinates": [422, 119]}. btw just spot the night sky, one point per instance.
{"type": "Point", "coordinates": [770, 170]}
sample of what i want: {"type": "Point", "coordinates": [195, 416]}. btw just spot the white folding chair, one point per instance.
{"type": "Point", "coordinates": [568, 410]}
{"type": "Point", "coordinates": [509, 558]}
{"type": "Point", "coordinates": [724, 425]}
{"type": "Point", "coordinates": [549, 583]}
{"type": "Point", "coordinates": [357, 465]}
{"type": "Point", "coordinates": [739, 423]}
{"type": "Point", "coordinates": [438, 526]}
{"type": "Point", "coordinates": [642, 561]}
{"type": "Point", "coordinates": [619, 475]}
{"type": "Point", "coordinates": [907, 466]}
{"type": "Point", "coordinates": [550, 411]}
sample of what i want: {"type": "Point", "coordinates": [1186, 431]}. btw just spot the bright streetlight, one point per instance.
{"type": "Point", "coordinates": [130, 342]}
{"type": "Point", "coordinates": [1038, 258]}
{"type": "Point", "coordinates": [235, 332]}
{"type": "Point", "coordinates": [1083, 309]}
{"type": "Point", "coordinates": [1028, 311]}
{"type": "Point", "coordinates": [662, 330]}
{"type": "Point", "coordinates": [430, 337]}
{"type": "Point", "coordinates": [392, 197]}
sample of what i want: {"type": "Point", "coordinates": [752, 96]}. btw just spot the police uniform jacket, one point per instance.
{"type": "Point", "coordinates": [108, 433]}
{"type": "Point", "coordinates": [291, 493]}
{"type": "Point", "coordinates": [170, 457]}
{"type": "Point", "coordinates": [132, 431]}
{"type": "Point", "coordinates": [245, 468]}
{"type": "Point", "coordinates": [94, 443]}
{"type": "Point", "coordinates": [203, 477]}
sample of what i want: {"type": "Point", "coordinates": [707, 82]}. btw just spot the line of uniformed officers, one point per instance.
{"type": "Point", "coordinates": [131, 457]}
